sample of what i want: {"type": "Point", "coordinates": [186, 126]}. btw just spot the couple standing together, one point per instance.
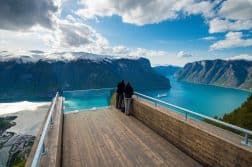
{"type": "Point", "coordinates": [123, 96]}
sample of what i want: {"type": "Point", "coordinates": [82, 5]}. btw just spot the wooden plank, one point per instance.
{"type": "Point", "coordinates": [107, 137]}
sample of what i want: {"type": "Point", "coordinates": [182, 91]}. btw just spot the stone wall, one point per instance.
{"type": "Point", "coordinates": [207, 144]}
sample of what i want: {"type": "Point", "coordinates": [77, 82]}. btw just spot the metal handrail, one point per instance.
{"type": "Point", "coordinates": [187, 112]}
{"type": "Point", "coordinates": [41, 145]}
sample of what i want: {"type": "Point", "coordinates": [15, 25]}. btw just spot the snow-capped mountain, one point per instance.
{"type": "Point", "coordinates": [35, 56]}
{"type": "Point", "coordinates": [39, 76]}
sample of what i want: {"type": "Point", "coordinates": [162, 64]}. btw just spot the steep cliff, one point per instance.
{"type": "Point", "coordinates": [232, 73]}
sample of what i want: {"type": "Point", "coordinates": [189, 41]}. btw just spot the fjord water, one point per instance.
{"type": "Point", "coordinates": [204, 99]}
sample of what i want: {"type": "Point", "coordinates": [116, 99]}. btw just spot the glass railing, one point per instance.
{"type": "Point", "coordinates": [82, 100]}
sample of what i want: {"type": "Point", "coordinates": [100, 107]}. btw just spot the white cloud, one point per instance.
{"type": "Point", "coordinates": [241, 57]}
{"type": "Point", "coordinates": [144, 11]}
{"type": "Point", "coordinates": [233, 15]}
{"type": "Point", "coordinates": [182, 54]}
{"type": "Point", "coordinates": [68, 36]}
{"type": "Point", "coordinates": [146, 53]}
{"type": "Point", "coordinates": [201, 7]}
{"type": "Point", "coordinates": [232, 39]}
{"type": "Point", "coordinates": [208, 38]}
{"type": "Point", "coordinates": [21, 15]}
{"type": "Point", "coordinates": [223, 25]}
{"type": "Point", "coordinates": [76, 34]}
{"type": "Point", "coordinates": [236, 9]}
{"type": "Point", "coordinates": [73, 34]}
{"type": "Point", "coordinates": [23, 40]}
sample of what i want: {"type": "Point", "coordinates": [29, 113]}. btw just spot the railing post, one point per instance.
{"type": "Point", "coordinates": [51, 121]}
{"type": "Point", "coordinates": [43, 151]}
{"type": "Point", "coordinates": [54, 101]}
{"type": "Point", "coordinates": [246, 140]}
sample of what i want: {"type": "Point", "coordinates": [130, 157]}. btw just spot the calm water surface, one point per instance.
{"type": "Point", "coordinates": [205, 99]}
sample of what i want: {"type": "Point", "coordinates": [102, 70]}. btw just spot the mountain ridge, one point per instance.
{"type": "Point", "coordinates": [43, 78]}
{"type": "Point", "coordinates": [227, 73]}
{"type": "Point", "coordinates": [166, 70]}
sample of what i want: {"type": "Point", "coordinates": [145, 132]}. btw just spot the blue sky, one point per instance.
{"type": "Point", "coordinates": [166, 32]}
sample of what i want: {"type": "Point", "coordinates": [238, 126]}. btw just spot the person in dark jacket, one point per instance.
{"type": "Point", "coordinates": [119, 94]}
{"type": "Point", "coordinates": [128, 92]}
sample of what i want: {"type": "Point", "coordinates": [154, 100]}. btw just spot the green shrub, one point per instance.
{"type": "Point", "coordinates": [241, 117]}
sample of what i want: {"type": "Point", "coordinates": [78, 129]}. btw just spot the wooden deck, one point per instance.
{"type": "Point", "coordinates": [107, 137]}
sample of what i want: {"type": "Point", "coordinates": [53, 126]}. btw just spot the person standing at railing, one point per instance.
{"type": "Point", "coordinates": [128, 92]}
{"type": "Point", "coordinates": [119, 94]}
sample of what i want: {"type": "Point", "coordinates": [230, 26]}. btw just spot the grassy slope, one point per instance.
{"type": "Point", "coordinates": [241, 116]}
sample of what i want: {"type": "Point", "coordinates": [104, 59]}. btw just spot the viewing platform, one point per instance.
{"type": "Point", "coordinates": [152, 136]}
{"type": "Point", "coordinates": [106, 137]}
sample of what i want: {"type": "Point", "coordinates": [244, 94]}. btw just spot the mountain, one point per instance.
{"type": "Point", "coordinates": [24, 77]}
{"type": "Point", "coordinates": [168, 70]}
{"type": "Point", "coordinates": [230, 73]}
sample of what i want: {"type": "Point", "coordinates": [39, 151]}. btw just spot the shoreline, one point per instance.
{"type": "Point", "coordinates": [17, 140]}
{"type": "Point", "coordinates": [28, 122]}
{"type": "Point", "coordinates": [18, 106]}
{"type": "Point", "coordinates": [220, 86]}
{"type": "Point", "coordinates": [173, 78]}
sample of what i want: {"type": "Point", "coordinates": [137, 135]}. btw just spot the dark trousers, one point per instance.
{"type": "Point", "coordinates": [127, 102]}
{"type": "Point", "coordinates": [119, 100]}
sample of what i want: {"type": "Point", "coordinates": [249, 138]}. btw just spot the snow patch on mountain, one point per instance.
{"type": "Point", "coordinates": [32, 56]}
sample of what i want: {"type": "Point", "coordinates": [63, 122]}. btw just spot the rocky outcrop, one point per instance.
{"type": "Point", "coordinates": [232, 73]}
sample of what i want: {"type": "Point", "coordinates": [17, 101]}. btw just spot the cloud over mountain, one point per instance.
{"type": "Point", "coordinates": [182, 54]}
{"type": "Point", "coordinates": [69, 34]}
{"type": "Point", "coordinates": [22, 14]}
{"type": "Point", "coordinates": [77, 25]}
{"type": "Point", "coordinates": [241, 57]}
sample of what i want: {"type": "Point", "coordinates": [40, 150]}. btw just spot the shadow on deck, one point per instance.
{"type": "Point", "coordinates": [107, 137]}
